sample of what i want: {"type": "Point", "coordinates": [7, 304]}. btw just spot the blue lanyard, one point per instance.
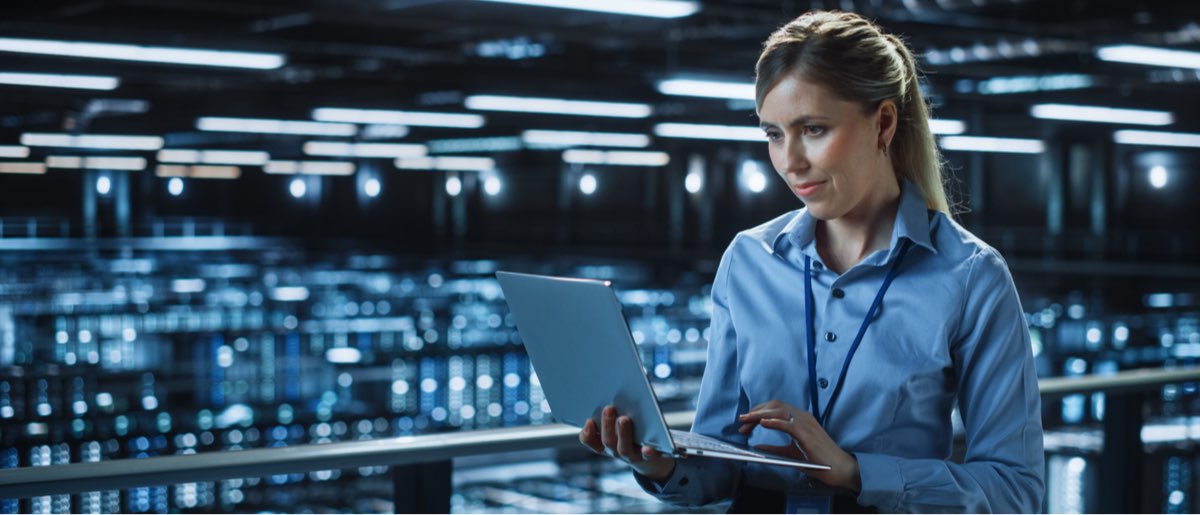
{"type": "Point", "coordinates": [812, 346]}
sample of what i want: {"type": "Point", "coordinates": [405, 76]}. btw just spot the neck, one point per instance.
{"type": "Point", "coordinates": [848, 239]}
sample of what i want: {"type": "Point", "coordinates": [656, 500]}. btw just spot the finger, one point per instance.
{"type": "Point", "coordinates": [590, 437]}
{"type": "Point", "coordinates": [625, 445]}
{"type": "Point", "coordinates": [650, 453]}
{"type": "Point", "coordinates": [608, 428]}
{"type": "Point", "coordinates": [756, 415]}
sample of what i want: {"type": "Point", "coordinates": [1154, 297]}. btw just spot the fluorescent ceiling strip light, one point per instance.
{"type": "Point", "coordinates": [707, 89]}
{"type": "Point", "coordinates": [704, 131]}
{"type": "Point", "coordinates": [616, 157]}
{"type": "Point", "coordinates": [14, 151]}
{"type": "Point", "coordinates": [51, 80]}
{"type": "Point", "coordinates": [1158, 139]}
{"type": "Point", "coordinates": [199, 171]}
{"type": "Point", "coordinates": [269, 126]}
{"type": "Point", "coordinates": [172, 55]}
{"type": "Point", "coordinates": [1152, 56]}
{"type": "Point", "coordinates": [379, 116]}
{"type": "Point", "coordinates": [23, 168]}
{"type": "Point", "coordinates": [310, 167]}
{"type": "Point", "coordinates": [447, 163]}
{"type": "Point", "coordinates": [557, 106]}
{"type": "Point", "coordinates": [940, 126]}
{"type": "Point", "coordinates": [1029, 83]}
{"type": "Point", "coordinates": [986, 144]}
{"type": "Point", "coordinates": [95, 141]}
{"type": "Point", "coordinates": [96, 162]}
{"type": "Point", "coordinates": [460, 145]}
{"type": "Point", "coordinates": [387, 150]}
{"type": "Point", "coordinates": [1101, 114]}
{"type": "Point", "coordinates": [214, 157]}
{"type": "Point", "coordinates": [648, 8]}
{"type": "Point", "coordinates": [562, 139]}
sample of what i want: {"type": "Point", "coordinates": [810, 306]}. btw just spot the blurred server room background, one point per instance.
{"type": "Point", "coordinates": [232, 224]}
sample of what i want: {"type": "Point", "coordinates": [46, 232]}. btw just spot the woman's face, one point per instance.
{"type": "Point", "coordinates": [825, 148]}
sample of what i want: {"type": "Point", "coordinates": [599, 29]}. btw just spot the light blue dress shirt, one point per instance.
{"type": "Point", "coordinates": [950, 329]}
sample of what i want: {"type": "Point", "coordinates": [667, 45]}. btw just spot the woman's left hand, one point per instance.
{"type": "Point", "coordinates": [810, 442]}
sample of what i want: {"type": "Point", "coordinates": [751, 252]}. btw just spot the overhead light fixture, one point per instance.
{"type": "Point", "coordinates": [1158, 177]}
{"type": "Point", "coordinates": [1025, 84]}
{"type": "Point", "coordinates": [123, 52]}
{"type": "Point", "coordinates": [707, 131]}
{"type": "Point", "coordinates": [587, 184]}
{"type": "Point", "coordinates": [93, 141]}
{"type": "Point", "coordinates": [1101, 114]}
{"type": "Point", "coordinates": [386, 150]}
{"type": "Point", "coordinates": [707, 89]}
{"type": "Point", "coordinates": [96, 162]}
{"type": "Point", "coordinates": [270, 126]}
{"type": "Point", "coordinates": [175, 186]}
{"type": "Point", "coordinates": [492, 185]}
{"type": "Point", "coordinates": [752, 176]}
{"type": "Point", "coordinates": [648, 8]}
{"type": "Point", "coordinates": [453, 185]}
{"type": "Point", "coordinates": [616, 157]}
{"type": "Point", "coordinates": [310, 167]}
{"type": "Point", "coordinates": [214, 157]}
{"type": "Point", "coordinates": [198, 172]}
{"type": "Point", "coordinates": [1151, 56]}
{"type": "Point", "coordinates": [942, 126]}
{"type": "Point", "coordinates": [381, 116]}
{"type": "Point", "coordinates": [23, 168]}
{"type": "Point", "coordinates": [1156, 138]}
{"type": "Point", "coordinates": [14, 151]}
{"type": "Point", "coordinates": [988, 144]}
{"type": "Point", "coordinates": [52, 80]}
{"type": "Point", "coordinates": [447, 163]}
{"type": "Point", "coordinates": [468, 145]}
{"type": "Point", "coordinates": [563, 139]}
{"type": "Point", "coordinates": [558, 106]}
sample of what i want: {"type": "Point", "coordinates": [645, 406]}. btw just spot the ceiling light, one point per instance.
{"type": "Point", "coordinates": [379, 116]}
{"type": "Point", "coordinates": [616, 157]}
{"type": "Point", "coordinates": [1149, 55]}
{"type": "Point", "coordinates": [198, 171]}
{"type": "Point", "coordinates": [707, 89]}
{"type": "Point", "coordinates": [694, 182]}
{"type": "Point", "coordinates": [14, 151]}
{"type": "Point", "coordinates": [463, 145]}
{"type": "Point", "coordinates": [557, 106]}
{"type": "Point", "coordinates": [96, 162]}
{"type": "Point", "coordinates": [50, 80]}
{"type": "Point", "coordinates": [372, 187]}
{"type": "Point", "coordinates": [310, 167]}
{"type": "Point", "coordinates": [387, 150]}
{"type": "Point", "coordinates": [986, 144]}
{"type": "Point", "coordinates": [753, 177]}
{"type": "Point", "coordinates": [24, 168]}
{"type": "Point", "coordinates": [269, 126]}
{"type": "Point", "coordinates": [297, 188]}
{"type": "Point", "coordinates": [221, 157]}
{"type": "Point", "coordinates": [1158, 177]}
{"type": "Point", "coordinates": [96, 141]}
{"type": "Point", "coordinates": [103, 185]}
{"type": "Point", "coordinates": [1026, 84]}
{"type": "Point", "coordinates": [172, 55]}
{"type": "Point", "coordinates": [175, 186]}
{"type": "Point", "coordinates": [448, 163]}
{"type": "Point", "coordinates": [492, 185]}
{"type": "Point", "coordinates": [705, 131]}
{"type": "Point", "coordinates": [648, 8]}
{"type": "Point", "coordinates": [587, 184]}
{"type": "Point", "coordinates": [1101, 114]}
{"type": "Point", "coordinates": [453, 185]}
{"type": "Point", "coordinates": [1158, 139]}
{"type": "Point", "coordinates": [562, 139]}
{"type": "Point", "coordinates": [940, 126]}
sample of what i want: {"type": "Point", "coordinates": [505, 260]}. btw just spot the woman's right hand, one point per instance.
{"type": "Point", "coordinates": [614, 438]}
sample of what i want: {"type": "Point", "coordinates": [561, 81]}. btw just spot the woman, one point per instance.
{"type": "Point", "coordinates": [845, 332]}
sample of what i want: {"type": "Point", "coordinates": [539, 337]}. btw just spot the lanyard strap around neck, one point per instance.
{"type": "Point", "coordinates": [811, 328]}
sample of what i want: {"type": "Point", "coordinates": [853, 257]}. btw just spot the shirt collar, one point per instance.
{"type": "Point", "coordinates": [912, 222]}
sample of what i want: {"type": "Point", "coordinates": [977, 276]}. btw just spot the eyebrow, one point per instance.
{"type": "Point", "coordinates": [802, 120]}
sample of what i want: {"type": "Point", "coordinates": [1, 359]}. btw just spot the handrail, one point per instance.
{"type": "Point", "coordinates": [407, 450]}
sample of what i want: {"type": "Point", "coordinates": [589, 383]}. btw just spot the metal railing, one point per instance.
{"type": "Point", "coordinates": [431, 454]}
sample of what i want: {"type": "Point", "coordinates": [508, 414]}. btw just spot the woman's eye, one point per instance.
{"type": "Point", "coordinates": [814, 130]}
{"type": "Point", "coordinates": [772, 136]}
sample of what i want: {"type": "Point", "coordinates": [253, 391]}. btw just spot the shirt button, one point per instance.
{"type": "Point", "coordinates": [683, 482]}
{"type": "Point", "coordinates": [818, 265]}
{"type": "Point", "coordinates": [838, 293]}
{"type": "Point", "coordinates": [823, 382]}
{"type": "Point", "coordinates": [829, 336]}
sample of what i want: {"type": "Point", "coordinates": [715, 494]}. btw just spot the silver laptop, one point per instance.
{"type": "Point", "coordinates": [580, 347]}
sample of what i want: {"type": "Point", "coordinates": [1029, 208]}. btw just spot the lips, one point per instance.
{"type": "Point", "coordinates": [807, 189]}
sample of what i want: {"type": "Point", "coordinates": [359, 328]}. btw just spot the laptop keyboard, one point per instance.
{"type": "Point", "coordinates": [699, 441]}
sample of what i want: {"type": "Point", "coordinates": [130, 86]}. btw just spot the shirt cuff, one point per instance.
{"type": "Point", "coordinates": [882, 481]}
{"type": "Point", "coordinates": [672, 483]}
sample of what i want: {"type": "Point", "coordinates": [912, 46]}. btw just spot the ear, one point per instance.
{"type": "Point", "coordinates": [887, 117]}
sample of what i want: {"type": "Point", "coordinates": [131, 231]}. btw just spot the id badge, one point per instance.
{"type": "Point", "coordinates": [809, 504]}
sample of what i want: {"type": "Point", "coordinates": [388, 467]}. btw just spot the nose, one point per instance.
{"type": "Point", "coordinates": [795, 159]}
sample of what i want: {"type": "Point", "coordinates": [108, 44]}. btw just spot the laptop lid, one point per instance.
{"type": "Point", "coordinates": [580, 347]}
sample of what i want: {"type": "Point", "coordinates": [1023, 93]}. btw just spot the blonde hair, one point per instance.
{"type": "Point", "coordinates": [856, 60]}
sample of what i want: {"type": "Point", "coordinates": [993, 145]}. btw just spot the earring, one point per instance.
{"type": "Point", "coordinates": [885, 152]}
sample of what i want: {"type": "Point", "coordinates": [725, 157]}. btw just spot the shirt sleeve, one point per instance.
{"type": "Point", "coordinates": [1000, 403]}
{"type": "Point", "coordinates": [700, 481]}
